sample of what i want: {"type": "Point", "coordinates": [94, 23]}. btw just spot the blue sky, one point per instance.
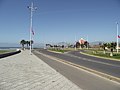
{"type": "Point", "coordinates": [59, 20]}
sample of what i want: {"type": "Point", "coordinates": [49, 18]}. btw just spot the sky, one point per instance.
{"type": "Point", "coordinates": [59, 20]}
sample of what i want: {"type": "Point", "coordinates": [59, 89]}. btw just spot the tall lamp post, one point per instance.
{"type": "Point", "coordinates": [117, 38]}
{"type": "Point", "coordinates": [31, 8]}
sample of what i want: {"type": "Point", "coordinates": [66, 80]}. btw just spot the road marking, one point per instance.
{"type": "Point", "coordinates": [106, 76]}
{"type": "Point", "coordinates": [90, 60]}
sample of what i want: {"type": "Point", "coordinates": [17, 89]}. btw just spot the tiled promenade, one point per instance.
{"type": "Point", "coordinates": [27, 72]}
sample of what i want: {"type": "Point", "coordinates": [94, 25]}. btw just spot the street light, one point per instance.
{"type": "Point", "coordinates": [117, 38]}
{"type": "Point", "coordinates": [31, 8]}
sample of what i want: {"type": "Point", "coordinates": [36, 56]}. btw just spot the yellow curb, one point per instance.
{"type": "Point", "coordinates": [54, 51]}
{"type": "Point", "coordinates": [109, 77]}
{"type": "Point", "coordinates": [100, 57]}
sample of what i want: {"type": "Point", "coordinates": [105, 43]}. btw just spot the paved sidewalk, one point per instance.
{"type": "Point", "coordinates": [27, 72]}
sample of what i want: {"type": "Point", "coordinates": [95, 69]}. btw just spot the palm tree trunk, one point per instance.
{"type": "Point", "coordinates": [22, 46]}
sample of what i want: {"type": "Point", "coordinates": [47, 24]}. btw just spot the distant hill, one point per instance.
{"type": "Point", "coordinates": [96, 42]}
{"type": "Point", "coordinates": [62, 43]}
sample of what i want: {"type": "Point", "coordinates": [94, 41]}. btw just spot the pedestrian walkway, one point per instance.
{"type": "Point", "coordinates": [27, 72]}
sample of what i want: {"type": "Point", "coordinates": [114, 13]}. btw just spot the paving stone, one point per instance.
{"type": "Point", "coordinates": [27, 72]}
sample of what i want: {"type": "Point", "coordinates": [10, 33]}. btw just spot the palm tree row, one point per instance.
{"type": "Point", "coordinates": [85, 44]}
{"type": "Point", "coordinates": [111, 46]}
{"type": "Point", "coordinates": [23, 43]}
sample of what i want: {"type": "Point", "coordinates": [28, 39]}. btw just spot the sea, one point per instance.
{"type": "Point", "coordinates": [9, 48]}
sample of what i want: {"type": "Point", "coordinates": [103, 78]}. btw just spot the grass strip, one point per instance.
{"type": "Point", "coordinates": [5, 51]}
{"type": "Point", "coordinates": [101, 54]}
{"type": "Point", "coordinates": [59, 50]}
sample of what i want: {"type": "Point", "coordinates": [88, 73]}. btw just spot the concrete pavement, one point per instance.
{"type": "Point", "coordinates": [27, 72]}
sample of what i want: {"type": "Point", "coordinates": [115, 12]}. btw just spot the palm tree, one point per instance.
{"type": "Point", "coordinates": [86, 44]}
{"type": "Point", "coordinates": [82, 46]}
{"type": "Point", "coordinates": [30, 42]}
{"type": "Point", "coordinates": [112, 47]}
{"type": "Point", "coordinates": [104, 46]}
{"type": "Point", "coordinates": [77, 45]}
{"type": "Point", "coordinates": [27, 42]}
{"type": "Point", "coordinates": [23, 42]}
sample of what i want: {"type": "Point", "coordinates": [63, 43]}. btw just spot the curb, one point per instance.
{"type": "Point", "coordinates": [9, 54]}
{"type": "Point", "coordinates": [54, 51]}
{"type": "Point", "coordinates": [109, 77]}
{"type": "Point", "coordinates": [100, 57]}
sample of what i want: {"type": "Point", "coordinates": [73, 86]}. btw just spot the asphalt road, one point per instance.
{"type": "Point", "coordinates": [83, 79]}
{"type": "Point", "coordinates": [109, 67]}
{"type": "Point", "coordinates": [77, 53]}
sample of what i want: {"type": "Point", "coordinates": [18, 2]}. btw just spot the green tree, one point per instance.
{"type": "Point", "coordinates": [86, 44]}
{"type": "Point", "coordinates": [23, 42]}
{"type": "Point", "coordinates": [82, 45]}
{"type": "Point", "coordinates": [27, 42]}
{"type": "Point", "coordinates": [112, 47]}
{"type": "Point", "coordinates": [31, 43]}
{"type": "Point", "coordinates": [77, 45]}
{"type": "Point", "coordinates": [104, 47]}
{"type": "Point", "coordinates": [108, 45]}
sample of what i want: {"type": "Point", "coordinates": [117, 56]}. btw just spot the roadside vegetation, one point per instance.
{"type": "Point", "coordinates": [105, 50]}
{"type": "Point", "coordinates": [27, 43]}
{"type": "Point", "coordinates": [6, 51]}
{"type": "Point", "coordinates": [60, 48]}
{"type": "Point", "coordinates": [98, 52]}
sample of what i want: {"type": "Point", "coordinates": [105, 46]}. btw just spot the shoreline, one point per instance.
{"type": "Point", "coordinates": [9, 48]}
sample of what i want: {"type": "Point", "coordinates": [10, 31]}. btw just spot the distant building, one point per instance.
{"type": "Point", "coordinates": [81, 41]}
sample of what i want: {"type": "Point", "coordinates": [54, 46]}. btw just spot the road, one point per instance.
{"type": "Point", "coordinates": [108, 67]}
{"type": "Point", "coordinates": [77, 53]}
{"type": "Point", "coordinates": [83, 79]}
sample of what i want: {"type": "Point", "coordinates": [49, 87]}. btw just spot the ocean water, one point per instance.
{"type": "Point", "coordinates": [9, 48]}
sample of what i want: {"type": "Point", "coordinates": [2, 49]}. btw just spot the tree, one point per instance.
{"type": "Point", "coordinates": [104, 47]}
{"type": "Point", "coordinates": [112, 47]}
{"type": "Point", "coordinates": [77, 45]}
{"type": "Point", "coordinates": [23, 42]}
{"type": "Point", "coordinates": [48, 45]}
{"type": "Point", "coordinates": [31, 42]}
{"type": "Point", "coordinates": [82, 45]}
{"type": "Point", "coordinates": [86, 44]}
{"type": "Point", "coordinates": [27, 42]}
{"type": "Point", "coordinates": [63, 46]}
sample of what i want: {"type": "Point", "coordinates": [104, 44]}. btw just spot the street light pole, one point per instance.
{"type": "Point", "coordinates": [32, 8]}
{"type": "Point", "coordinates": [117, 38]}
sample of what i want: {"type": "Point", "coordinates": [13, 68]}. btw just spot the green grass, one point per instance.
{"type": "Point", "coordinates": [95, 52]}
{"type": "Point", "coordinates": [101, 54]}
{"type": "Point", "coordinates": [59, 50]}
{"type": "Point", "coordinates": [5, 51]}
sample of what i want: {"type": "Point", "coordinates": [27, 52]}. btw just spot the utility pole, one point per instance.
{"type": "Point", "coordinates": [117, 38]}
{"type": "Point", "coordinates": [31, 8]}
